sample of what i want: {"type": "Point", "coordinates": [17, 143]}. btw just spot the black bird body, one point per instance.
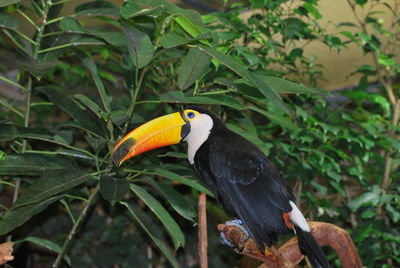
{"type": "Point", "coordinates": [246, 183]}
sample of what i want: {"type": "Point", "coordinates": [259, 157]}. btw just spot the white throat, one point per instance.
{"type": "Point", "coordinates": [199, 131]}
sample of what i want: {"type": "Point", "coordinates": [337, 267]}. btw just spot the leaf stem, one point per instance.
{"type": "Point", "coordinates": [134, 97]}
{"type": "Point", "coordinates": [13, 83]}
{"type": "Point", "coordinates": [15, 41]}
{"type": "Point", "coordinates": [12, 109]}
{"type": "Point", "coordinates": [54, 48]}
{"type": "Point", "coordinates": [24, 142]}
{"type": "Point", "coordinates": [26, 37]}
{"type": "Point", "coordinates": [74, 228]}
{"type": "Point", "coordinates": [27, 18]}
{"type": "Point", "coordinates": [26, 124]}
{"type": "Point", "coordinates": [40, 30]}
{"type": "Point", "coordinates": [61, 2]}
{"type": "Point", "coordinates": [54, 20]}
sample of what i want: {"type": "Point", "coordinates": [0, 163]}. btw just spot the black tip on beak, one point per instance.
{"type": "Point", "coordinates": [122, 150]}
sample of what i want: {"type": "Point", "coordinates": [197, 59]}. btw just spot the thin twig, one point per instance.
{"type": "Point", "coordinates": [11, 108]}
{"type": "Point", "coordinates": [24, 142]}
{"type": "Point", "coordinates": [202, 233]}
{"type": "Point", "coordinates": [74, 228]}
{"type": "Point", "coordinates": [388, 159]}
{"type": "Point", "coordinates": [138, 85]}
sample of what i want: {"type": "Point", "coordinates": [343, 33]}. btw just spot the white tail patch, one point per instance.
{"type": "Point", "coordinates": [298, 219]}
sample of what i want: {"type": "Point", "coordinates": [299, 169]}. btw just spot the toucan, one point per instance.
{"type": "Point", "coordinates": [246, 183]}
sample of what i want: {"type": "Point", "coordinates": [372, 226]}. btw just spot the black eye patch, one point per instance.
{"type": "Point", "coordinates": [122, 150]}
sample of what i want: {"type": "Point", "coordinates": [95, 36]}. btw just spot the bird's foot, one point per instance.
{"type": "Point", "coordinates": [242, 232]}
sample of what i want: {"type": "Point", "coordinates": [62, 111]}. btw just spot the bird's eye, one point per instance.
{"type": "Point", "coordinates": [190, 115]}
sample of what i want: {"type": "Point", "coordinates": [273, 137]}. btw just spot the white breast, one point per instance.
{"type": "Point", "coordinates": [200, 129]}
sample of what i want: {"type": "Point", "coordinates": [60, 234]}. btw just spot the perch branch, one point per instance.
{"type": "Point", "coordinates": [202, 233]}
{"type": "Point", "coordinates": [6, 250]}
{"type": "Point", "coordinates": [288, 255]}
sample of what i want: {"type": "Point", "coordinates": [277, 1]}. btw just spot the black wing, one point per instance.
{"type": "Point", "coordinates": [246, 183]}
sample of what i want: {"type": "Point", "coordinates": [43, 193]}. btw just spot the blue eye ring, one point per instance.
{"type": "Point", "coordinates": [190, 115]}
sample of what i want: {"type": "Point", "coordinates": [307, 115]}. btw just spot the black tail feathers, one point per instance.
{"type": "Point", "coordinates": [309, 247]}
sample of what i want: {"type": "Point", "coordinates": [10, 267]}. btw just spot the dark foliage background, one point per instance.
{"type": "Point", "coordinates": [87, 76]}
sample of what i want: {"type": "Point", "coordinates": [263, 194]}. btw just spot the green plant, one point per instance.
{"type": "Point", "coordinates": [67, 161]}
{"type": "Point", "coordinates": [86, 86]}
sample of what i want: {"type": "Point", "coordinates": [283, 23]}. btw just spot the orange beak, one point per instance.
{"type": "Point", "coordinates": [162, 131]}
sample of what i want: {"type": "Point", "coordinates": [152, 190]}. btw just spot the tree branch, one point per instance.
{"type": "Point", "coordinates": [202, 233]}
{"type": "Point", "coordinates": [289, 255]}
{"type": "Point", "coordinates": [6, 250]}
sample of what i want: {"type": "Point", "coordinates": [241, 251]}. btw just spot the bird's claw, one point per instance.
{"type": "Point", "coordinates": [239, 224]}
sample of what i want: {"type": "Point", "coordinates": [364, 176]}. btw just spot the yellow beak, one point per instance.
{"type": "Point", "coordinates": [162, 131]}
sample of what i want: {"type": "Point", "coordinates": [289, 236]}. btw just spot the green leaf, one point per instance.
{"type": "Point", "coordinates": [84, 118]}
{"type": "Point", "coordinates": [189, 182]}
{"type": "Point", "coordinates": [46, 244]}
{"type": "Point", "coordinates": [68, 40]}
{"type": "Point", "coordinates": [193, 67]}
{"type": "Point", "coordinates": [73, 153]}
{"type": "Point", "coordinates": [280, 120]}
{"type": "Point", "coordinates": [33, 164]}
{"type": "Point", "coordinates": [113, 189]}
{"type": "Point", "coordinates": [94, 107]}
{"type": "Point", "coordinates": [177, 201]}
{"type": "Point", "coordinates": [361, 2]}
{"type": "Point", "coordinates": [179, 97]}
{"type": "Point", "coordinates": [386, 60]}
{"type": "Point", "coordinates": [170, 40]}
{"type": "Point", "coordinates": [171, 9]}
{"type": "Point", "coordinates": [7, 21]}
{"type": "Point", "coordinates": [71, 25]}
{"type": "Point", "coordinates": [160, 244]}
{"type": "Point", "coordinates": [313, 10]}
{"type": "Point", "coordinates": [368, 198]}
{"type": "Point", "coordinates": [98, 8]}
{"type": "Point", "coordinates": [119, 117]}
{"type": "Point", "coordinates": [236, 67]}
{"type": "Point", "coordinates": [132, 9]}
{"type": "Point", "coordinates": [80, 40]}
{"type": "Point", "coordinates": [139, 46]}
{"type": "Point", "coordinates": [285, 86]}
{"type": "Point", "coordinates": [10, 132]}
{"type": "Point", "coordinates": [264, 147]}
{"type": "Point", "coordinates": [364, 233]}
{"type": "Point", "coordinates": [162, 214]}
{"type": "Point", "coordinates": [34, 67]}
{"type": "Point", "coordinates": [16, 217]}
{"type": "Point", "coordinates": [191, 28]}
{"type": "Point", "coordinates": [4, 3]}
{"type": "Point", "coordinates": [51, 183]}
{"type": "Point", "coordinates": [368, 214]}
{"type": "Point", "coordinates": [92, 67]}
{"type": "Point", "coordinates": [350, 36]}
{"type": "Point", "coordinates": [109, 35]}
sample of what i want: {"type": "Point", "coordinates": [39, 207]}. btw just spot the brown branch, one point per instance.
{"type": "Point", "coordinates": [202, 233]}
{"type": "Point", "coordinates": [288, 255]}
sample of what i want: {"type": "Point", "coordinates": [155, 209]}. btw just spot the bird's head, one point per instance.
{"type": "Point", "coordinates": [191, 125]}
